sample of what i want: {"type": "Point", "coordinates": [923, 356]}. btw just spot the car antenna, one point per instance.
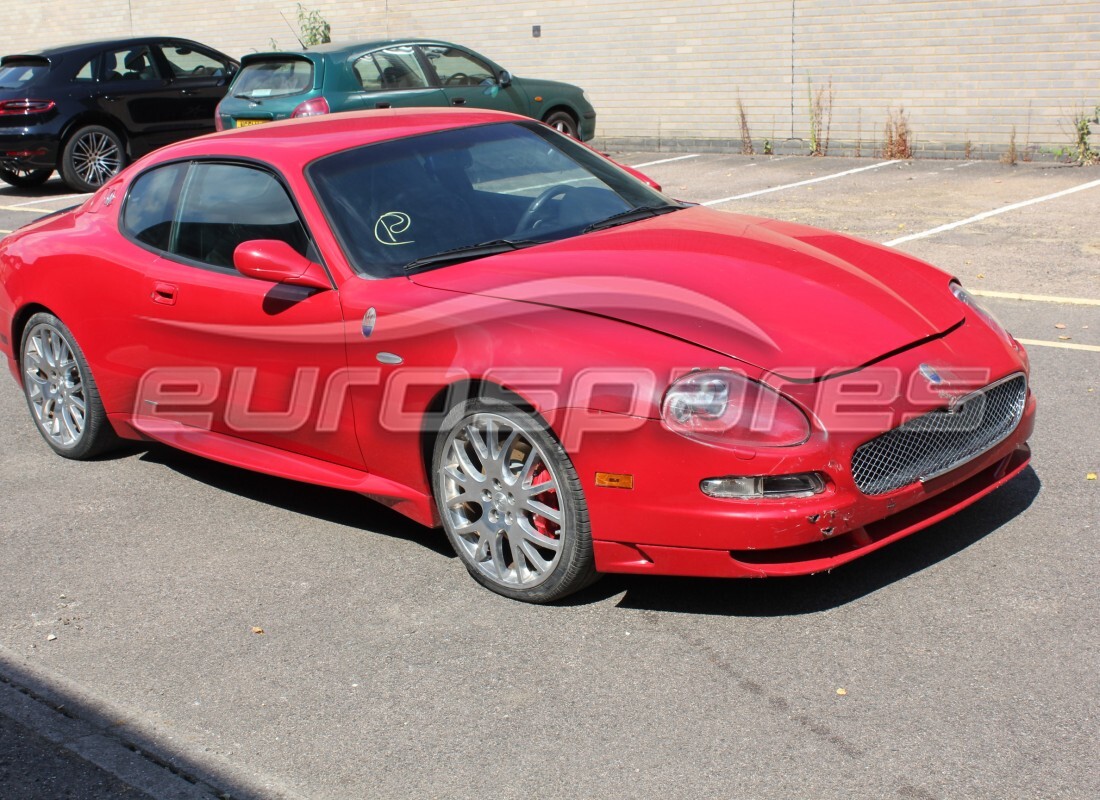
{"type": "Point", "coordinates": [287, 21]}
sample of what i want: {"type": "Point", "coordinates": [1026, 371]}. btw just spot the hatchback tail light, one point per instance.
{"type": "Point", "coordinates": [311, 108]}
{"type": "Point", "coordinates": [28, 106]}
{"type": "Point", "coordinates": [218, 124]}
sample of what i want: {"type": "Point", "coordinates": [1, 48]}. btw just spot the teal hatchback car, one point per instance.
{"type": "Point", "coordinates": [393, 74]}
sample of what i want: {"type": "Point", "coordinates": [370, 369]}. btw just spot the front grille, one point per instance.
{"type": "Point", "coordinates": [939, 441]}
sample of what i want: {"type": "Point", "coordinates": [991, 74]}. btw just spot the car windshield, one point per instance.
{"type": "Point", "coordinates": [15, 74]}
{"type": "Point", "coordinates": [273, 78]}
{"type": "Point", "coordinates": [441, 198]}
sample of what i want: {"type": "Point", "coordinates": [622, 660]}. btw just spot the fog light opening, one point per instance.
{"type": "Point", "coordinates": [804, 484]}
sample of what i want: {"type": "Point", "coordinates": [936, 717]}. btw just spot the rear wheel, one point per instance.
{"type": "Point", "coordinates": [25, 178]}
{"type": "Point", "coordinates": [562, 121]}
{"type": "Point", "coordinates": [60, 391]}
{"type": "Point", "coordinates": [511, 503]}
{"type": "Point", "coordinates": [92, 156]}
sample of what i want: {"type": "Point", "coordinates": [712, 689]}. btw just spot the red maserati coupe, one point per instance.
{"type": "Point", "coordinates": [486, 325]}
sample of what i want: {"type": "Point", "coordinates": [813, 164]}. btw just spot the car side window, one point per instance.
{"type": "Point", "coordinates": [129, 64]}
{"type": "Point", "coordinates": [85, 73]}
{"type": "Point", "coordinates": [224, 205]}
{"type": "Point", "coordinates": [188, 63]}
{"type": "Point", "coordinates": [456, 67]}
{"type": "Point", "coordinates": [151, 205]}
{"type": "Point", "coordinates": [392, 68]}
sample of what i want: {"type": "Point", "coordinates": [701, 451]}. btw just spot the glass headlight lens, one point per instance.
{"type": "Point", "coordinates": [725, 408]}
{"type": "Point", "coordinates": [969, 301]}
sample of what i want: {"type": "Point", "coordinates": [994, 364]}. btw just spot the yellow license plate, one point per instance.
{"type": "Point", "coordinates": [244, 123]}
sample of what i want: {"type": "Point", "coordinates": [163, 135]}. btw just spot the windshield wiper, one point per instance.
{"type": "Point", "coordinates": [469, 252]}
{"type": "Point", "coordinates": [633, 214]}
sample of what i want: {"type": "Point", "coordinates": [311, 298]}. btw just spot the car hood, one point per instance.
{"type": "Point", "coordinates": [541, 86]}
{"type": "Point", "coordinates": [797, 301]}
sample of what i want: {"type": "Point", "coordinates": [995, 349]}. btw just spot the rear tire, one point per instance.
{"type": "Point", "coordinates": [91, 157]}
{"type": "Point", "coordinates": [61, 393]}
{"type": "Point", "coordinates": [25, 178]}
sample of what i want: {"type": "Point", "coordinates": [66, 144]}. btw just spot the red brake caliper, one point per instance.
{"type": "Point", "coordinates": [542, 524]}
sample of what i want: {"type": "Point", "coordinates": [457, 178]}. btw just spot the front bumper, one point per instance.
{"type": "Point", "coordinates": [665, 524]}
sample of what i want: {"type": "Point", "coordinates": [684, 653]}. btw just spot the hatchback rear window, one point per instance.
{"type": "Point", "coordinates": [274, 78]}
{"type": "Point", "coordinates": [17, 73]}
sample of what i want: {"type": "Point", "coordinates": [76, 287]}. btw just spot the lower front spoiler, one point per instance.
{"type": "Point", "coordinates": [810, 558]}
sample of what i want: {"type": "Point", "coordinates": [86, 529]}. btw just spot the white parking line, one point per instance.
{"type": "Point", "coordinates": [663, 161]}
{"type": "Point", "coordinates": [987, 214]}
{"type": "Point", "coordinates": [46, 200]}
{"type": "Point", "coordinates": [799, 183]}
{"type": "Point", "coordinates": [1036, 298]}
{"type": "Point", "coordinates": [1089, 348]}
{"type": "Point", "coordinates": [26, 210]}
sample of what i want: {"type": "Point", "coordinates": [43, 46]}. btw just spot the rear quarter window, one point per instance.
{"type": "Point", "coordinates": [18, 73]}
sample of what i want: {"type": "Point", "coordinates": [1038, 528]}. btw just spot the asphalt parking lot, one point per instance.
{"type": "Point", "coordinates": [961, 662]}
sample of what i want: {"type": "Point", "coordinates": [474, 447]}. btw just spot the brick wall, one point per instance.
{"type": "Point", "coordinates": [668, 74]}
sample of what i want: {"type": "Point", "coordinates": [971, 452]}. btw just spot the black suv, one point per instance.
{"type": "Point", "coordinates": [86, 110]}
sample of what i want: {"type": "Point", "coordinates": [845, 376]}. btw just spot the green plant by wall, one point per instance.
{"type": "Point", "coordinates": [1083, 152]}
{"type": "Point", "coordinates": [821, 115]}
{"type": "Point", "coordinates": [315, 29]}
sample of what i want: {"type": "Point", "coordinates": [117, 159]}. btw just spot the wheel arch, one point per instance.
{"type": "Point", "coordinates": [450, 396]}
{"type": "Point", "coordinates": [19, 322]}
{"type": "Point", "coordinates": [92, 118]}
{"type": "Point", "coordinates": [572, 112]}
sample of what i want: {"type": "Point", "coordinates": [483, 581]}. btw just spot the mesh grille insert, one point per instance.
{"type": "Point", "coordinates": [939, 441]}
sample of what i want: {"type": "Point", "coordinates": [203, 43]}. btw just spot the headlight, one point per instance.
{"type": "Point", "coordinates": [968, 300]}
{"type": "Point", "coordinates": [725, 408]}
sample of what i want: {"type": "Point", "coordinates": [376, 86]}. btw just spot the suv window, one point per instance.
{"type": "Point", "coordinates": [128, 64]}
{"type": "Point", "coordinates": [17, 73]}
{"type": "Point", "coordinates": [188, 63]}
{"type": "Point", "coordinates": [456, 67]}
{"type": "Point", "coordinates": [224, 205]}
{"type": "Point", "coordinates": [394, 68]}
{"type": "Point", "coordinates": [277, 77]}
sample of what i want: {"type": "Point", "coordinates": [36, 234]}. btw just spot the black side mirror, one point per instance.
{"type": "Point", "coordinates": [504, 79]}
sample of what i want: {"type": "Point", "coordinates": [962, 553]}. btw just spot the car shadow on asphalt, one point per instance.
{"type": "Point", "coordinates": [729, 597]}
{"type": "Point", "coordinates": [816, 593]}
{"type": "Point", "coordinates": [50, 188]}
{"type": "Point", "coordinates": [319, 502]}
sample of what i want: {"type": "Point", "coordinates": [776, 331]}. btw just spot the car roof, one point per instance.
{"type": "Point", "coordinates": [103, 44]}
{"type": "Point", "coordinates": [291, 143]}
{"type": "Point", "coordinates": [348, 48]}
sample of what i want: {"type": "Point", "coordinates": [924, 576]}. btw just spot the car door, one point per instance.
{"type": "Point", "coordinates": [131, 88]}
{"type": "Point", "coordinates": [224, 353]}
{"type": "Point", "coordinates": [469, 80]}
{"type": "Point", "coordinates": [394, 77]}
{"type": "Point", "coordinates": [197, 80]}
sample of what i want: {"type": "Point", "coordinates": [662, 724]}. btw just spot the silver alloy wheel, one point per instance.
{"type": "Point", "coordinates": [54, 386]}
{"type": "Point", "coordinates": [503, 501]}
{"type": "Point", "coordinates": [96, 157]}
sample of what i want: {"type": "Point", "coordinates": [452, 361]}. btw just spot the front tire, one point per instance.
{"type": "Point", "coordinates": [25, 178]}
{"type": "Point", "coordinates": [91, 157]}
{"type": "Point", "coordinates": [511, 502]}
{"type": "Point", "coordinates": [564, 122]}
{"type": "Point", "coordinates": [61, 392]}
